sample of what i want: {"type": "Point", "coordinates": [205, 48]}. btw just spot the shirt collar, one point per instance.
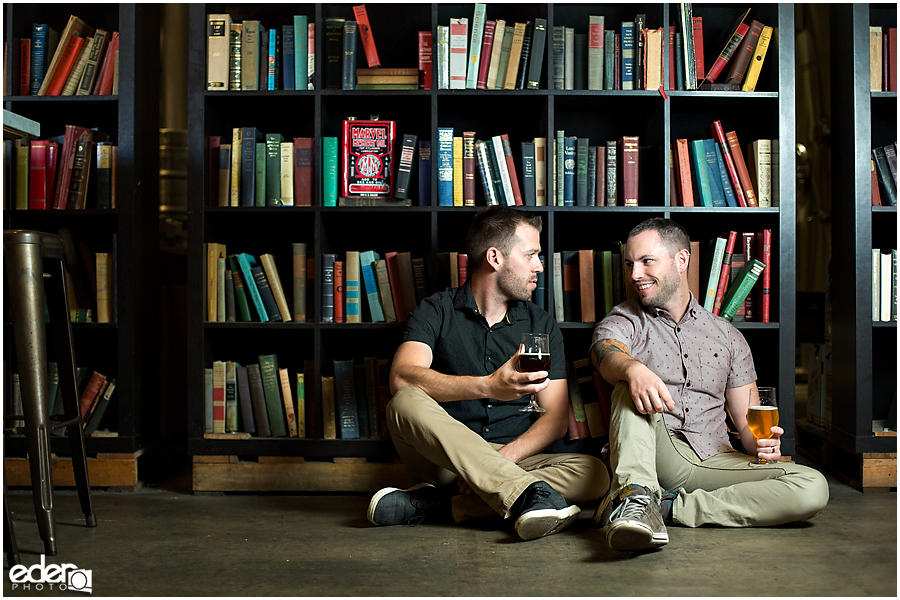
{"type": "Point", "coordinates": [689, 315]}
{"type": "Point", "coordinates": [464, 299]}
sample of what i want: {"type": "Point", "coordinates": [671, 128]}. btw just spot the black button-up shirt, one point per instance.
{"type": "Point", "coordinates": [462, 343]}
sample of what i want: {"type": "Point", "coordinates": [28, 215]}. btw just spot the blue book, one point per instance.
{"type": "Point", "coordinates": [287, 56]}
{"type": "Point", "coordinates": [329, 167]}
{"type": "Point", "coordinates": [250, 136]}
{"type": "Point", "coordinates": [265, 292]}
{"type": "Point", "coordinates": [569, 170]}
{"type": "Point", "coordinates": [679, 62]}
{"type": "Point", "coordinates": [628, 79]}
{"type": "Point", "coordinates": [715, 180]}
{"type": "Point", "coordinates": [246, 262]}
{"type": "Point", "coordinates": [445, 166]}
{"type": "Point", "coordinates": [592, 176]}
{"type": "Point", "coordinates": [345, 399]}
{"type": "Point", "coordinates": [609, 59]}
{"type": "Point", "coordinates": [367, 270]}
{"type": "Point", "coordinates": [272, 69]}
{"type": "Point", "coordinates": [701, 172]}
{"type": "Point", "coordinates": [730, 200]}
{"type": "Point", "coordinates": [424, 172]}
{"type": "Point", "coordinates": [301, 52]}
{"type": "Point", "coordinates": [540, 292]}
{"type": "Point", "coordinates": [43, 45]}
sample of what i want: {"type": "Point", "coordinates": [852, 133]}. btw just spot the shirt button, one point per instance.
{"type": "Point", "coordinates": [489, 406]}
{"type": "Point", "coordinates": [685, 355]}
{"type": "Point", "coordinates": [678, 329]}
{"type": "Point", "coordinates": [486, 429]}
{"type": "Point", "coordinates": [688, 384]}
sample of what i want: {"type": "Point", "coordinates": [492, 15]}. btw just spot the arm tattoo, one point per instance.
{"type": "Point", "coordinates": [603, 348]}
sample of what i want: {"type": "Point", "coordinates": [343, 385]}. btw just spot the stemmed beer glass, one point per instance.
{"type": "Point", "coordinates": [536, 357]}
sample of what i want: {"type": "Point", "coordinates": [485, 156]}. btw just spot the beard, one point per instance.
{"type": "Point", "coordinates": [667, 288]}
{"type": "Point", "coordinates": [515, 287]}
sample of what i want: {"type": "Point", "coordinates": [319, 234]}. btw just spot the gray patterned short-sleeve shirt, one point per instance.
{"type": "Point", "coordinates": [697, 358]}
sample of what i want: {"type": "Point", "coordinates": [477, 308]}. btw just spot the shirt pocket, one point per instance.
{"type": "Point", "coordinates": [714, 371]}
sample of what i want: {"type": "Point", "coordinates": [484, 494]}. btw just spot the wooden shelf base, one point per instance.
{"type": "Point", "coordinates": [867, 472]}
{"type": "Point", "coordinates": [106, 471]}
{"type": "Point", "coordinates": [293, 474]}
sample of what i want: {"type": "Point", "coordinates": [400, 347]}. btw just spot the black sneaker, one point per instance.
{"type": "Point", "coordinates": [393, 506]}
{"type": "Point", "coordinates": [635, 523]}
{"type": "Point", "coordinates": [542, 511]}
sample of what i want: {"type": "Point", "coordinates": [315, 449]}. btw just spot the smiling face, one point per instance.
{"type": "Point", "coordinates": [518, 277]}
{"type": "Point", "coordinates": [657, 276]}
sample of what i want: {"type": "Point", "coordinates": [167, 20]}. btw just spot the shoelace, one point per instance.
{"type": "Point", "coordinates": [425, 506]}
{"type": "Point", "coordinates": [631, 508]}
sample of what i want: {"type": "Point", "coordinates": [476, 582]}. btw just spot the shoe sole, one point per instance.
{"type": "Point", "coordinates": [632, 537]}
{"type": "Point", "coordinates": [373, 503]}
{"type": "Point", "coordinates": [540, 523]}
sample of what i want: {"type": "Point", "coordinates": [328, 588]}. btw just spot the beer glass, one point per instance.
{"type": "Point", "coordinates": [762, 415]}
{"type": "Point", "coordinates": [535, 357]}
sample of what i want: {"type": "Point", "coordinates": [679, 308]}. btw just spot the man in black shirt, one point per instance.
{"type": "Point", "coordinates": [455, 417]}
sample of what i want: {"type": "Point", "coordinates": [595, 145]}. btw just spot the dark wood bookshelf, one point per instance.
{"type": "Point", "coordinates": [864, 351]}
{"type": "Point", "coordinates": [127, 349]}
{"type": "Point", "coordinates": [428, 230]}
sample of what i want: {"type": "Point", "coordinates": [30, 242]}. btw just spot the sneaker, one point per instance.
{"type": "Point", "coordinates": [665, 507]}
{"type": "Point", "coordinates": [393, 506]}
{"type": "Point", "coordinates": [636, 524]}
{"type": "Point", "coordinates": [542, 511]}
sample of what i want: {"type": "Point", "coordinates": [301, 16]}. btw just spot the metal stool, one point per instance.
{"type": "Point", "coordinates": [27, 255]}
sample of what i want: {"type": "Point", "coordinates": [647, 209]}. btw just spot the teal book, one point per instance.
{"type": "Point", "coordinates": [717, 192]}
{"type": "Point", "coordinates": [730, 200]}
{"type": "Point", "coordinates": [260, 177]}
{"type": "Point", "coordinates": [345, 399]}
{"type": "Point", "coordinates": [367, 270]}
{"type": "Point", "coordinates": [268, 368]}
{"type": "Point", "coordinates": [247, 262]}
{"type": "Point", "coordinates": [701, 172]}
{"type": "Point", "coordinates": [250, 138]}
{"type": "Point", "coordinates": [273, 169]}
{"type": "Point", "coordinates": [287, 56]}
{"type": "Point", "coordinates": [265, 292]}
{"type": "Point", "coordinates": [274, 65]}
{"type": "Point", "coordinates": [301, 50]}
{"type": "Point", "coordinates": [329, 171]}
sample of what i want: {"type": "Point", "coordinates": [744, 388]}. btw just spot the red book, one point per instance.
{"type": "Point", "coordinates": [37, 176]}
{"type": "Point", "coordinates": [890, 45]}
{"type": "Point", "coordinates": [462, 263]}
{"type": "Point", "coordinates": [719, 135]}
{"type": "Point", "coordinates": [338, 291]}
{"type": "Point", "coordinates": [683, 179]}
{"type": "Point", "coordinates": [726, 271]}
{"type": "Point", "coordinates": [487, 43]}
{"type": "Point", "coordinates": [425, 61]}
{"type": "Point", "coordinates": [24, 67]}
{"type": "Point", "coordinates": [468, 164]}
{"type": "Point", "coordinates": [90, 392]}
{"type": "Point", "coordinates": [744, 54]}
{"type": "Point", "coordinates": [629, 170]}
{"type": "Point", "coordinates": [697, 23]}
{"type": "Point", "coordinates": [212, 143]}
{"type": "Point", "coordinates": [105, 80]}
{"type": "Point", "coordinates": [65, 65]}
{"type": "Point", "coordinates": [365, 32]}
{"type": "Point", "coordinates": [393, 268]}
{"type": "Point", "coordinates": [304, 163]}
{"type": "Point", "coordinates": [511, 165]}
{"type": "Point", "coordinates": [586, 285]}
{"type": "Point", "coordinates": [671, 57]}
{"type": "Point", "coordinates": [73, 135]}
{"type": "Point", "coordinates": [763, 291]}
{"type": "Point", "coordinates": [733, 44]}
{"type": "Point", "coordinates": [740, 166]}
{"type": "Point", "coordinates": [52, 159]}
{"type": "Point", "coordinates": [876, 193]}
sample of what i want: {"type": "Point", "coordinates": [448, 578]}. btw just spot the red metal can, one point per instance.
{"type": "Point", "coordinates": [367, 158]}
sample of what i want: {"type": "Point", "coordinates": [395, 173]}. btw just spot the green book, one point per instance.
{"type": "Point", "coordinates": [701, 172]}
{"type": "Point", "coordinates": [240, 292]}
{"type": "Point", "coordinates": [329, 171]}
{"type": "Point", "coordinates": [246, 262]}
{"type": "Point", "coordinates": [504, 57]}
{"type": "Point", "coordinates": [231, 416]}
{"type": "Point", "coordinates": [273, 169]}
{"type": "Point", "coordinates": [581, 172]}
{"type": "Point", "coordinates": [743, 283]}
{"type": "Point", "coordinates": [715, 268]}
{"type": "Point", "coordinates": [301, 49]}
{"type": "Point", "coordinates": [268, 367]}
{"type": "Point", "coordinates": [260, 195]}
{"type": "Point", "coordinates": [607, 278]}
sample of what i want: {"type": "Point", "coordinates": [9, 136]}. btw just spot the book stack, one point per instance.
{"type": "Point", "coordinates": [884, 285]}
{"type": "Point", "coordinates": [355, 398]}
{"type": "Point", "coordinates": [485, 54]}
{"type": "Point", "coordinates": [83, 61]}
{"type": "Point", "coordinates": [596, 175]}
{"type": "Point", "coordinates": [884, 175]}
{"type": "Point", "coordinates": [366, 287]}
{"type": "Point", "coordinates": [883, 59]}
{"type": "Point", "coordinates": [248, 56]}
{"type": "Point", "coordinates": [714, 171]}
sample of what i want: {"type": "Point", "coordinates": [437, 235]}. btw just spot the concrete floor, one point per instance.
{"type": "Point", "coordinates": [163, 541]}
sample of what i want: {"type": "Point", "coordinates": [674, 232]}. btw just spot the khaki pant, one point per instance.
{"type": "Point", "coordinates": [436, 448]}
{"type": "Point", "coordinates": [721, 490]}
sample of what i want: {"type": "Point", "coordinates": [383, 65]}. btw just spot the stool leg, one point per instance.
{"type": "Point", "coordinates": [61, 330]}
{"type": "Point", "coordinates": [9, 536]}
{"type": "Point", "coordinates": [25, 272]}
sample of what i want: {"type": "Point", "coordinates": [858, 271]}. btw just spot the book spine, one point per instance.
{"type": "Point", "coordinates": [240, 294]}
{"type": "Point", "coordinates": [303, 175]}
{"type": "Point", "coordinates": [458, 54]}
{"type": "Point", "coordinates": [348, 60]}
{"type": "Point", "coordinates": [714, 273]}
{"type": "Point", "coordinates": [217, 52]}
{"type": "Point", "coordinates": [265, 292]}
{"type": "Point", "coordinates": [457, 171]}
{"type": "Point", "coordinates": [559, 57]}
{"type": "Point", "coordinates": [701, 172]}
{"type": "Point", "coordinates": [385, 297]}
{"type": "Point", "coordinates": [328, 287]}
{"type": "Point", "coordinates": [727, 52]}
{"type": "Point", "coordinates": [345, 397]}
{"type": "Point", "coordinates": [301, 405]}
{"type": "Point", "coordinates": [474, 55]}
{"type": "Point", "coordinates": [248, 423]}
{"type": "Point", "coordinates": [218, 395]}
{"type": "Point", "coordinates": [538, 44]}
{"type": "Point", "coordinates": [611, 171]}
{"type": "Point", "coordinates": [725, 272]}
{"type": "Point", "coordinates": [600, 176]}
{"type": "Point", "coordinates": [286, 152]}
{"type": "Point", "coordinates": [744, 53]}
{"type": "Point", "coordinates": [351, 286]}
{"type": "Point", "coordinates": [558, 306]}
{"type": "Point", "coordinates": [365, 32]}
{"type": "Point", "coordinates": [569, 57]}
{"type": "Point", "coordinates": [522, 74]}
{"type": "Point", "coordinates": [334, 53]}
{"type": "Point", "coordinates": [231, 402]}
{"type": "Point", "coordinates": [445, 166]}
{"type": "Point", "coordinates": [288, 400]}
{"type": "Point", "coordinates": [683, 172]}
{"type": "Point", "coordinates": [528, 174]}
{"type": "Point", "coordinates": [629, 170]}
{"type": "Point", "coordinates": [66, 63]}
{"type": "Point", "coordinates": [496, 50]}
{"type": "Point", "coordinates": [371, 284]}
{"type": "Point", "coordinates": [298, 281]}
{"type": "Point", "coordinates": [609, 59]}
{"type": "Point", "coordinates": [511, 168]}
{"type": "Point", "coordinates": [329, 171]}
{"type": "Point", "coordinates": [424, 172]}
{"type": "Point", "coordinates": [581, 172]}
{"type": "Point", "coordinates": [628, 44]}
{"type": "Point", "coordinates": [268, 367]}
{"type": "Point", "coordinates": [245, 262]}
{"type": "Point", "coordinates": [487, 41]}
{"type": "Point", "coordinates": [37, 175]}
{"type": "Point", "coordinates": [503, 170]}
{"type": "Point", "coordinates": [746, 279]}
{"type": "Point", "coordinates": [540, 171]}
{"type": "Point", "coordinates": [301, 48]}
{"type": "Point", "coordinates": [443, 57]}
{"type": "Point", "coordinates": [731, 169]}
{"type": "Point", "coordinates": [697, 26]}
{"type": "Point", "coordinates": [426, 61]}
{"type": "Point", "coordinates": [884, 174]}
{"type": "Point", "coordinates": [468, 168]}
{"type": "Point", "coordinates": [288, 61]}
{"type": "Point", "coordinates": [310, 59]}
{"type": "Point", "coordinates": [74, 78]}
{"type": "Point", "coordinates": [596, 25]}
{"type": "Point", "coordinates": [484, 169]}
{"type": "Point", "coordinates": [37, 53]}
{"type": "Point", "coordinates": [740, 166]}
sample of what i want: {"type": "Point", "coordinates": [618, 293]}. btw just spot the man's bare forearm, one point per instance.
{"type": "Point", "coordinates": [612, 359]}
{"type": "Point", "coordinates": [443, 388]}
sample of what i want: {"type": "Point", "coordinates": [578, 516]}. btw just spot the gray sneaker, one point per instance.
{"type": "Point", "coordinates": [393, 506]}
{"type": "Point", "coordinates": [635, 523]}
{"type": "Point", "coordinates": [542, 511]}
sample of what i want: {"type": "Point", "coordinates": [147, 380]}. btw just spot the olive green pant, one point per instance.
{"type": "Point", "coordinates": [721, 490]}
{"type": "Point", "coordinates": [438, 449]}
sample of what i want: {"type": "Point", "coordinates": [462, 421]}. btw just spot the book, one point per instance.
{"type": "Point", "coordinates": [106, 78]}
{"type": "Point", "coordinates": [596, 59]}
{"type": "Point", "coordinates": [365, 33]}
{"type": "Point", "coordinates": [334, 40]}
{"type": "Point", "coordinates": [424, 176]}
{"type": "Point", "coordinates": [328, 260]}
{"type": "Point", "coordinates": [756, 62]}
{"type": "Point", "coordinates": [385, 297]}
{"type": "Point", "coordinates": [475, 46]}
{"type": "Point", "coordinates": [348, 56]}
{"type": "Point", "coordinates": [715, 270]}
{"type": "Point", "coordinates": [268, 367]}
{"type": "Point", "coordinates": [570, 286]}
{"type": "Point", "coordinates": [459, 32]}
{"type": "Point", "coordinates": [503, 171]}
{"type": "Point", "coordinates": [303, 170]}
{"type": "Point", "coordinates": [629, 170]}
{"type": "Point", "coordinates": [525, 58]}
{"type": "Point", "coordinates": [288, 399]}
{"type": "Point", "coordinates": [739, 290]}
{"type": "Point", "coordinates": [445, 166]}
{"type": "Point", "coordinates": [569, 57]}
{"type": "Point", "coordinates": [105, 278]}
{"type": "Point", "coordinates": [653, 61]}
{"type": "Point", "coordinates": [586, 285]}
{"type": "Point", "coordinates": [89, 394]}
{"type": "Point", "coordinates": [468, 168]}
{"type": "Point", "coordinates": [352, 287]}
{"type": "Point", "coordinates": [503, 64]}
{"type": "Point", "coordinates": [266, 293]}
{"type": "Point", "coordinates": [496, 50]}
{"type": "Point", "coordinates": [329, 431]}
{"type": "Point", "coordinates": [558, 305]}
{"type": "Point", "coordinates": [271, 271]}
{"type": "Point", "coordinates": [740, 165]}
{"type": "Point", "coordinates": [538, 43]}
{"type": "Point", "coordinates": [515, 55]}
{"type": "Point", "coordinates": [683, 181]}
{"type": "Point", "coordinates": [75, 27]}
{"type": "Point", "coordinates": [529, 197]}
{"type": "Point", "coordinates": [426, 60]}
{"type": "Point", "coordinates": [338, 291]}
{"type": "Point", "coordinates": [301, 404]}
{"type": "Point", "coordinates": [273, 64]}
{"type": "Point", "coordinates": [739, 30]}
{"type": "Point", "coordinates": [578, 426]}
{"type": "Point", "coordinates": [370, 281]}
{"type": "Point", "coordinates": [699, 56]}
{"type": "Point", "coordinates": [609, 59]}
{"type": "Point", "coordinates": [875, 59]}
{"type": "Point", "coordinates": [457, 171]}
{"type": "Point", "coordinates": [725, 272]}
{"type": "Point", "coordinates": [100, 407]}
{"type": "Point", "coordinates": [258, 400]}
{"type": "Point", "coordinates": [443, 57]}
{"type": "Point", "coordinates": [95, 53]}
{"type": "Point", "coordinates": [888, 185]}
{"type": "Point", "coordinates": [484, 57]}
{"type": "Point", "coordinates": [329, 171]}
{"type": "Point", "coordinates": [686, 25]}
{"type": "Point", "coordinates": [581, 172]}
{"type": "Point", "coordinates": [759, 167]}
{"type": "Point", "coordinates": [44, 40]}
{"type": "Point", "coordinates": [628, 55]}
{"type": "Point", "coordinates": [700, 170]}
{"type": "Point", "coordinates": [719, 183]}
{"type": "Point", "coordinates": [300, 32]}
{"type": "Point", "coordinates": [247, 263]}
{"type": "Point", "coordinates": [611, 173]}
{"type": "Point", "coordinates": [234, 56]}
{"type": "Point", "coordinates": [719, 136]}
{"type": "Point", "coordinates": [231, 401]}
{"type": "Point", "coordinates": [286, 154]}
{"type": "Point", "coordinates": [886, 288]}
{"type": "Point", "coordinates": [398, 298]}
{"type": "Point", "coordinates": [66, 64]}
{"type": "Point", "coordinates": [345, 399]}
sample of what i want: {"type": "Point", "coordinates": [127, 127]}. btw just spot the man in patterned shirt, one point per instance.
{"type": "Point", "coordinates": [676, 368]}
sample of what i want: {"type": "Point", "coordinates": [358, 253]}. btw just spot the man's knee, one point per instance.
{"type": "Point", "coordinates": [814, 495]}
{"type": "Point", "coordinates": [404, 407]}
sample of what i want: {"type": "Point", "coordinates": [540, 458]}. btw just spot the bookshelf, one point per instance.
{"type": "Point", "coordinates": [126, 349]}
{"type": "Point", "coordinates": [864, 352]}
{"type": "Point", "coordinates": [427, 231]}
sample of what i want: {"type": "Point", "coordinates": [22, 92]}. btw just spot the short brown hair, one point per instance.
{"type": "Point", "coordinates": [496, 227]}
{"type": "Point", "coordinates": [672, 235]}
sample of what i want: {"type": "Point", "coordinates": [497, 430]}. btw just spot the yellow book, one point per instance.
{"type": "Point", "coordinates": [286, 394]}
{"type": "Point", "coordinates": [104, 298]}
{"type": "Point", "coordinates": [214, 251]}
{"type": "Point", "coordinates": [235, 195]}
{"type": "Point", "coordinates": [515, 52]}
{"type": "Point", "coordinates": [287, 173]}
{"type": "Point", "coordinates": [759, 54]}
{"type": "Point", "coordinates": [457, 171]}
{"type": "Point", "coordinates": [268, 263]}
{"type": "Point", "coordinates": [23, 155]}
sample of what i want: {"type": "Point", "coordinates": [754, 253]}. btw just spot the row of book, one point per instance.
{"type": "Point", "coordinates": [884, 175]}
{"type": "Point", "coordinates": [94, 394]}
{"type": "Point", "coordinates": [587, 284]}
{"type": "Point", "coordinates": [714, 172]}
{"type": "Point", "coordinates": [883, 59]}
{"type": "Point", "coordinates": [76, 170]}
{"type": "Point", "coordinates": [264, 399]}
{"type": "Point", "coordinates": [247, 56]}
{"type": "Point", "coordinates": [587, 175]}
{"type": "Point", "coordinates": [91, 279]}
{"type": "Point", "coordinates": [590, 401]}
{"type": "Point", "coordinates": [83, 61]}
{"type": "Point", "coordinates": [884, 285]}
